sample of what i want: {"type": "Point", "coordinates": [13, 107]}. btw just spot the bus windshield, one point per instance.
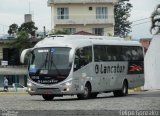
{"type": "Point", "coordinates": [50, 61]}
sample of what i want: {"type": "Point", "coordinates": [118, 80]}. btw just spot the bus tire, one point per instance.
{"type": "Point", "coordinates": [87, 92]}
{"type": "Point", "coordinates": [48, 97]}
{"type": "Point", "coordinates": [123, 91]}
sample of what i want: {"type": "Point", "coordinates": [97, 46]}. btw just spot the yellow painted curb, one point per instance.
{"type": "Point", "coordinates": [138, 89]}
{"type": "Point", "coordinates": [13, 92]}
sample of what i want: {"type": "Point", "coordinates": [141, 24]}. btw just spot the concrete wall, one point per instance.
{"type": "Point", "coordinates": [152, 64]}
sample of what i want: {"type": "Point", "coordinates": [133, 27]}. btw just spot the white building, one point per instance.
{"type": "Point", "coordinates": [152, 64]}
{"type": "Point", "coordinates": [93, 16]}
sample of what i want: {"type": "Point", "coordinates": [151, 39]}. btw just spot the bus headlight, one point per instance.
{"type": "Point", "coordinates": [67, 89]}
{"type": "Point", "coordinates": [29, 89]}
{"type": "Point", "coordinates": [29, 84]}
{"type": "Point", "coordinates": [68, 84]}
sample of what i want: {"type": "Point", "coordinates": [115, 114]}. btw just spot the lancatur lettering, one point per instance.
{"type": "Point", "coordinates": [102, 69]}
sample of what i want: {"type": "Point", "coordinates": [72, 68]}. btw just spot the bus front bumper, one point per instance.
{"type": "Point", "coordinates": [54, 90]}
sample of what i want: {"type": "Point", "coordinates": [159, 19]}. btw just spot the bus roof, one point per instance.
{"type": "Point", "coordinates": [75, 41]}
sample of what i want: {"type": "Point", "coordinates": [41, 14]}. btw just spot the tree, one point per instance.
{"type": "Point", "coordinates": [155, 17]}
{"type": "Point", "coordinates": [28, 27]}
{"type": "Point", "coordinates": [122, 12]}
{"type": "Point", "coordinates": [59, 32]}
{"type": "Point", "coordinates": [21, 42]}
{"type": "Point", "coordinates": [17, 45]}
{"type": "Point", "coordinates": [13, 29]}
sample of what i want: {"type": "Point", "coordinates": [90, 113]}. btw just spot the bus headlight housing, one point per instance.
{"type": "Point", "coordinates": [67, 89]}
{"type": "Point", "coordinates": [29, 89]}
{"type": "Point", "coordinates": [29, 84]}
{"type": "Point", "coordinates": [68, 84]}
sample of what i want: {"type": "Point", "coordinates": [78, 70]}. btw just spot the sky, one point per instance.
{"type": "Point", "coordinates": [12, 11]}
{"type": "Point", "coordinates": [142, 9]}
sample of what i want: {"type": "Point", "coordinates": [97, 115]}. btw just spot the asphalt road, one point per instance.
{"type": "Point", "coordinates": [148, 100]}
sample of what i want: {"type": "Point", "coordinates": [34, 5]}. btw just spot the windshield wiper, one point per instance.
{"type": "Point", "coordinates": [43, 64]}
{"type": "Point", "coordinates": [52, 62]}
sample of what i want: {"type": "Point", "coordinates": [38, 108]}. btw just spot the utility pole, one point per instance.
{"type": "Point", "coordinates": [44, 28]}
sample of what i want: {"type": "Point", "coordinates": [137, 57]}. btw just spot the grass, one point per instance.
{"type": "Point", "coordinates": [23, 92]}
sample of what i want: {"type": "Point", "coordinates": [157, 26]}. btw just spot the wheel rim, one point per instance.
{"type": "Point", "coordinates": [124, 89]}
{"type": "Point", "coordinates": [85, 91]}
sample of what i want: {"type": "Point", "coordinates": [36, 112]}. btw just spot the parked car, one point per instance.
{"type": "Point", "coordinates": [15, 87]}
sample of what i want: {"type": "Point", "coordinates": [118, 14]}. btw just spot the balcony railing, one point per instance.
{"type": "Point", "coordinates": [84, 19]}
{"type": "Point", "coordinates": [80, 1]}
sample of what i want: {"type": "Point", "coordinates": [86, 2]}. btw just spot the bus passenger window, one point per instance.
{"type": "Point", "coordinates": [140, 54]}
{"type": "Point", "coordinates": [112, 53]}
{"type": "Point", "coordinates": [83, 56]}
{"type": "Point", "coordinates": [100, 53]}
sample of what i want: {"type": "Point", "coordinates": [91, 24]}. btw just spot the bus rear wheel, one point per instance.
{"type": "Point", "coordinates": [87, 92]}
{"type": "Point", "coordinates": [48, 97]}
{"type": "Point", "coordinates": [123, 91]}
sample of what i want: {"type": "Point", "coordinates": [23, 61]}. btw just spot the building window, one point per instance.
{"type": "Point", "coordinates": [11, 55]}
{"type": "Point", "coordinates": [70, 30]}
{"type": "Point", "coordinates": [101, 13]}
{"type": "Point", "coordinates": [98, 31]}
{"type": "Point", "coordinates": [62, 13]}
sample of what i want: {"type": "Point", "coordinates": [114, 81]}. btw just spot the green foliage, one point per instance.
{"type": "Point", "coordinates": [59, 32]}
{"type": "Point", "coordinates": [21, 42]}
{"type": "Point", "coordinates": [109, 34]}
{"type": "Point", "coordinates": [28, 27]}
{"type": "Point", "coordinates": [155, 17]}
{"type": "Point", "coordinates": [122, 13]}
{"type": "Point", "coordinates": [13, 29]}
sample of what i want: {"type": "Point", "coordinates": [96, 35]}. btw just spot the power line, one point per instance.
{"type": "Point", "coordinates": [141, 23]}
{"type": "Point", "coordinates": [140, 19]}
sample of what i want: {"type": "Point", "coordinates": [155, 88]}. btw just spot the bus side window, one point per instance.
{"type": "Point", "coordinates": [132, 53]}
{"type": "Point", "coordinates": [83, 56]}
{"type": "Point", "coordinates": [126, 53]}
{"type": "Point", "coordinates": [112, 53]}
{"type": "Point", "coordinates": [100, 53]}
{"type": "Point", "coordinates": [140, 53]}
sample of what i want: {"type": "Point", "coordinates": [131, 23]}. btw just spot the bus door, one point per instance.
{"type": "Point", "coordinates": [82, 64]}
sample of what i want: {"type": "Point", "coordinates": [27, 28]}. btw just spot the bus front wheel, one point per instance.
{"type": "Point", "coordinates": [48, 97]}
{"type": "Point", "coordinates": [123, 91]}
{"type": "Point", "coordinates": [87, 92]}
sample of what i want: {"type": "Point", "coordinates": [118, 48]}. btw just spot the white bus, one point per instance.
{"type": "Point", "coordinates": [83, 66]}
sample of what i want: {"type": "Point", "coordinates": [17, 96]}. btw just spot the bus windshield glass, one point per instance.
{"type": "Point", "coordinates": [50, 61]}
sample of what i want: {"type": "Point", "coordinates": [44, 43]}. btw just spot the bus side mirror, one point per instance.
{"type": "Point", "coordinates": [24, 53]}
{"type": "Point", "coordinates": [71, 56]}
